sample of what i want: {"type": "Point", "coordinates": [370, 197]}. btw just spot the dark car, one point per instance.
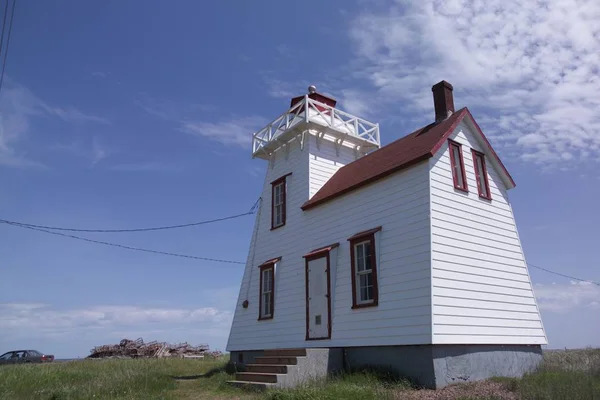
{"type": "Point", "coordinates": [25, 356]}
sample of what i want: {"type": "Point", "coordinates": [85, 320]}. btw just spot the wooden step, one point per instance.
{"type": "Point", "coordinates": [277, 360]}
{"type": "Point", "coordinates": [285, 352]}
{"type": "Point", "coordinates": [251, 385]}
{"type": "Point", "coordinates": [267, 368]}
{"type": "Point", "coordinates": [256, 377]}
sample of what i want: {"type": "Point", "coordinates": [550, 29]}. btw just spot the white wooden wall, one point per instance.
{"type": "Point", "coordinates": [399, 203]}
{"type": "Point", "coordinates": [481, 287]}
{"type": "Point", "coordinates": [325, 161]}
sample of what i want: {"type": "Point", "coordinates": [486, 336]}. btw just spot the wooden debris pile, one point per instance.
{"type": "Point", "coordinates": [138, 349]}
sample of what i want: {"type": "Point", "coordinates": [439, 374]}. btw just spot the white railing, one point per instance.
{"type": "Point", "coordinates": [321, 114]}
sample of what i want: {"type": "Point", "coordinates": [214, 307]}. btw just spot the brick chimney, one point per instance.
{"type": "Point", "coordinates": [442, 100]}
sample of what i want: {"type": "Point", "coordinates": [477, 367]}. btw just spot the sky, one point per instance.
{"type": "Point", "coordinates": [126, 114]}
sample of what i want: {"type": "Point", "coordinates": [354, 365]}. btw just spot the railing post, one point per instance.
{"type": "Point", "coordinates": [306, 108]}
{"type": "Point", "coordinates": [356, 126]}
{"type": "Point", "coordinates": [332, 116]}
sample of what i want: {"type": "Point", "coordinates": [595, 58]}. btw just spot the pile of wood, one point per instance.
{"type": "Point", "coordinates": [138, 349]}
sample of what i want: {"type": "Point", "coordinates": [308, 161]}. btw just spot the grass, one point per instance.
{"type": "Point", "coordinates": [572, 374]}
{"type": "Point", "coordinates": [565, 375]}
{"type": "Point", "coordinates": [358, 385]}
{"type": "Point", "coordinates": [103, 379]}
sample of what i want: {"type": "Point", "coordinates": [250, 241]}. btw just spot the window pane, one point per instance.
{"type": "Point", "coordinates": [364, 294]}
{"type": "Point", "coordinates": [482, 181]}
{"type": "Point", "coordinates": [366, 287]}
{"type": "Point", "coordinates": [267, 280]}
{"type": "Point", "coordinates": [368, 255]}
{"type": "Point", "coordinates": [266, 311]}
{"type": "Point", "coordinates": [457, 166]}
{"type": "Point", "coordinates": [279, 214]}
{"type": "Point", "coordinates": [278, 194]}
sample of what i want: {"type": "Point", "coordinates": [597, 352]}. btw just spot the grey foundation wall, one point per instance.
{"type": "Point", "coordinates": [466, 363]}
{"type": "Point", "coordinates": [436, 366]}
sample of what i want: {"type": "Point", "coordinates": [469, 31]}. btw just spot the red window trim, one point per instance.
{"type": "Point", "coordinates": [313, 255]}
{"type": "Point", "coordinates": [276, 182]}
{"type": "Point", "coordinates": [316, 253]}
{"type": "Point", "coordinates": [483, 195]}
{"type": "Point", "coordinates": [270, 264]}
{"type": "Point", "coordinates": [354, 239]}
{"type": "Point", "coordinates": [465, 187]}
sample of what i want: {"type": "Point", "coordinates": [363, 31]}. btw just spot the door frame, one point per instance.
{"type": "Point", "coordinates": [312, 257]}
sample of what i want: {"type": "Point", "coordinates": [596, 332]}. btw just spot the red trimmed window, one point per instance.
{"type": "Point", "coordinates": [365, 291]}
{"type": "Point", "coordinates": [483, 185]}
{"type": "Point", "coordinates": [267, 291]}
{"type": "Point", "coordinates": [458, 166]}
{"type": "Point", "coordinates": [278, 202]}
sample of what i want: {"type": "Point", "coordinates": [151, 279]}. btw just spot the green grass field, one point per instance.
{"type": "Point", "coordinates": [563, 375]}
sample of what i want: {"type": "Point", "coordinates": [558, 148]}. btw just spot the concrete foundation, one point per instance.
{"type": "Point", "coordinates": [436, 366]}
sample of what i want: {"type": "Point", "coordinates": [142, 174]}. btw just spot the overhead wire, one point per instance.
{"type": "Point", "coordinates": [41, 228]}
{"type": "Point", "coordinates": [157, 228]}
{"type": "Point", "coordinates": [563, 275]}
{"type": "Point", "coordinates": [166, 253]}
{"type": "Point", "coordinates": [12, 15]}
{"type": "Point", "coordinates": [50, 230]}
{"type": "Point", "coordinates": [3, 25]}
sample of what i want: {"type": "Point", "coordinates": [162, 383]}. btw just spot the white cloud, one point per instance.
{"type": "Point", "coordinates": [16, 318]}
{"type": "Point", "coordinates": [561, 298]}
{"type": "Point", "coordinates": [18, 106]}
{"type": "Point", "coordinates": [530, 69]}
{"type": "Point", "coordinates": [280, 89]}
{"type": "Point", "coordinates": [94, 152]}
{"type": "Point", "coordinates": [237, 131]}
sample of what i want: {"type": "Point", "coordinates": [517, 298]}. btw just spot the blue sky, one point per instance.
{"type": "Point", "coordinates": [126, 114]}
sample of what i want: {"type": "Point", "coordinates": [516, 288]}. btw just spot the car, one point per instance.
{"type": "Point", "coordinates": [25, 356]}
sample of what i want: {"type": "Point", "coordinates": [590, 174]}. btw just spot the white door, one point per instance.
{"type": "Point", "coordinates": [318, 301]}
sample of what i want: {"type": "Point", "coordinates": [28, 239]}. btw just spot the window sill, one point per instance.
{"type": "Point", "coordinates": [366, 305]}
{"type": "Point", "coordinates": [265, 318]}
{"type": "Point", "coordinates": [488, 198]}
{"type": "Point", "coordinates": [277, 227]}
{"type": "Point", "coordinates": [464, 190]}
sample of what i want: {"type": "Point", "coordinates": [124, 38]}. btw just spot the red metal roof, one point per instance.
{"type": "Point", "coordinates": [401, 154]}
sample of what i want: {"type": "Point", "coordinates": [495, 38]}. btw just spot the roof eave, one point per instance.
{"type": "Point", "coordinates": [311, 204]}
{"type": "Point", "coordinates": [508, 180]}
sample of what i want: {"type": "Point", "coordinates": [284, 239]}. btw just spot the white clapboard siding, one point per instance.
{"type": "Point", "coordinates": [324, 161]}
{"type": "Point", "coordinates": [481, 289]}
{"type": "Point", "coordinates": [398, 203]}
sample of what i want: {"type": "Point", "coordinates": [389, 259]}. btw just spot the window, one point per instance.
{"type": "Point", "coordinates": [278, 200]}
{"type": "Point", "coordinates": [364, 269]}
{"type": "Point", "coordinates": [266, 302]}
{"type": "Point", "coordinates": [458, 166]}
{"type": "Point", "coordinates": [483, 185]}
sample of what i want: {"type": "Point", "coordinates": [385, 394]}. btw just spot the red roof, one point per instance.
{"type": "Point", "coordinates": [401, 154]}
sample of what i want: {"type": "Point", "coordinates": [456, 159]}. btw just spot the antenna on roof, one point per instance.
{"type": "Point", "coordinates": [312, 89]}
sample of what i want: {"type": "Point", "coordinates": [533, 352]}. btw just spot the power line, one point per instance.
{"type": "Point", "coordinates": [563, 275]}
{"type": "Point", "coordinates": [3, 25]}
{"type": "Point", "coordinates": [12, 15]}
{"type": "Point", "coordinates": [125, 247]}
{"type": "Point", "coordinates": [158, 228]}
